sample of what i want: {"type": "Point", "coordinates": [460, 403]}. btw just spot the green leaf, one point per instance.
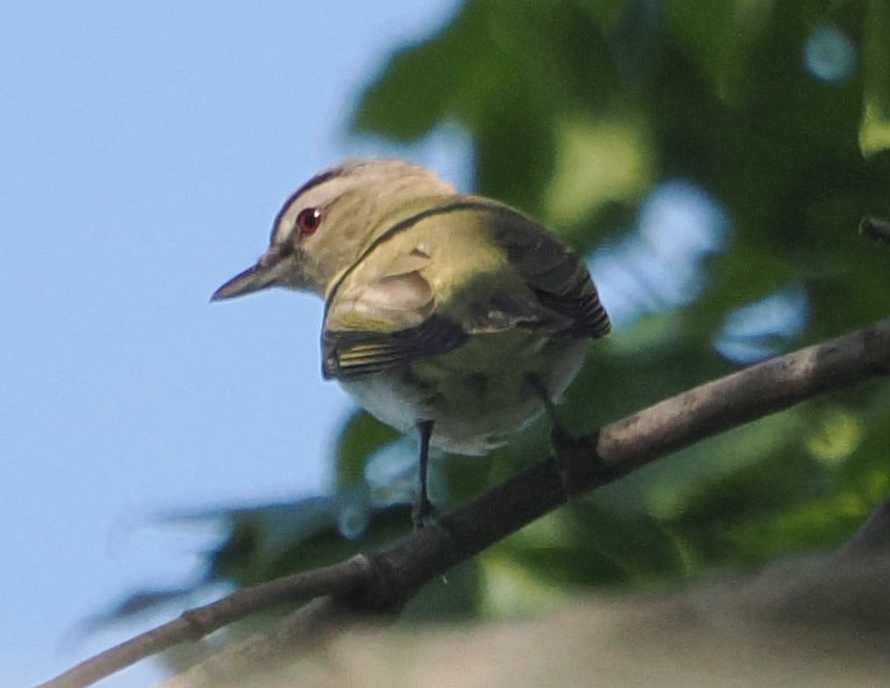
{"type": "Point", "coordinates": [720, 35]}
{"type": "Point", "coordinates": [874, 133]}
{"type": "Point", "coordinates": [361, 436]}
{"type": "Point", "coordinates": [607, 160]}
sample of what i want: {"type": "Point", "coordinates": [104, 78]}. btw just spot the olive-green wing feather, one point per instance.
{"type": "Point", "coordinates": [348, 354]}
{"type": "Point", "coordinates": [384, 312]}
{"type": "Point", "coordinates": [382, 317]}
{"type": "Point", "coordinates": [555, 275]}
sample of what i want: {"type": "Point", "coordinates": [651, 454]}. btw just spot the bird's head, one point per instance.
{"type": "Point", "coordinates": [325, 226]}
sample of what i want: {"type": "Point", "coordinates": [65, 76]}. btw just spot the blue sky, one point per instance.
{"type": "Point", "coordinates": [145, 149]}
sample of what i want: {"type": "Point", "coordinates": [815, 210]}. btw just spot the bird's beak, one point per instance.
{"type": "Point", "coordinates": [264, 274]}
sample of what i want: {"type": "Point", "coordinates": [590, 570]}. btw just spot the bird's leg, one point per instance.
{"type": "Point", "coordinates": [558, 433]}
{"type": "Point", "coordinates": [423, 507]}
{"type": "Point", "coordinates": [571, 452]}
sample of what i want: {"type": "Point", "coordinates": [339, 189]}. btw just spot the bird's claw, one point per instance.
{"type": "Point", "coordinates": [424, 514]}
{"type": "Point", "coordinates": [577, 460]}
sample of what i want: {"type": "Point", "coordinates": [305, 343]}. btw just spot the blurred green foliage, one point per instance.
{"type": "Point", "coordinates": [777, 114]}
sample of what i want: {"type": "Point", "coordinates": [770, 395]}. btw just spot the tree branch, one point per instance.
{"type": "Point", "coordinates": [816, 620]}
{"type": "Point", "coordinates": [382, 582]}
{"type": "Point", "coordinates": [306, 629]}
{"type": "Point", "coordinates": [194, 624]}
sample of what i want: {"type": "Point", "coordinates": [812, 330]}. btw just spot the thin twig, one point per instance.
{"type": "Point", "coordinates": [306, 629]}
{"type": "Point", "coordinates": [196, 623]}
{"type": "Point", "coordinates": [392, 576]}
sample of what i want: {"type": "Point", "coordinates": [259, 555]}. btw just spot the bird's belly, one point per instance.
{"type": "Point", "coordinates": [475, 395]}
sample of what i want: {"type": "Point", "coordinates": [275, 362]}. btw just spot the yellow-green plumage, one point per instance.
{"type": "Point", "coordinates": [441, 309]}
{"type": "Point", "coordinates": [478, 266]}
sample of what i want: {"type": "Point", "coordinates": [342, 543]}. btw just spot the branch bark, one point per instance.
{"type": "Point", "coordinates": [382, 582]}
{"type": "Point", "coordinates": [194, 624]}
{"type": "Point", "coordinates": [804, 621]}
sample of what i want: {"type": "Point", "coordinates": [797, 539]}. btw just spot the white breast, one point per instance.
{"type": "Point", "coordinates": [476, 395]}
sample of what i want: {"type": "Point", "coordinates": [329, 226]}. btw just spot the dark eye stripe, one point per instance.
{"type": "Point", "coordinates": [315, 181]}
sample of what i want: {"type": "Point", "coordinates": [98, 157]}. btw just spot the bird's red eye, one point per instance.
{"type": "Point", "coordinates": [308, 221]}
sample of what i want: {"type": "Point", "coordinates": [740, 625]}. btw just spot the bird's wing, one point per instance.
{"type": "Point", "coordinates": [351, 353]}
{"type": "Point", "coordinates": [555, 275]}
{"type": "Point", "coordinates": [382, 316]}
{"type": "Point", "coordinates": [384, 313]}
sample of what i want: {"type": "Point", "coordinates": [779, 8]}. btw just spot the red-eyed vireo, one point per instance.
{"type": "Point", "coordinates": [451, 313]}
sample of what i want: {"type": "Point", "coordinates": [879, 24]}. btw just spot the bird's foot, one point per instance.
{"type": "Point", "coordinates": [424, 514]}
{"type": "Point", "coordinates": [580, 467]}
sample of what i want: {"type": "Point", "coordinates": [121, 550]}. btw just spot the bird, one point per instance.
{"type": "Point", "coordinates": [449, 313]}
